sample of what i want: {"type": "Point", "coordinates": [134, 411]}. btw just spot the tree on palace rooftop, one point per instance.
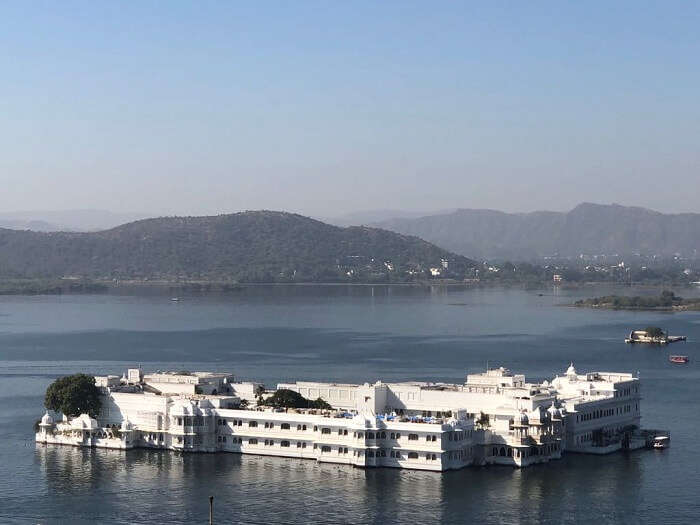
{"type": "Point", "coordinates": [74, 395]}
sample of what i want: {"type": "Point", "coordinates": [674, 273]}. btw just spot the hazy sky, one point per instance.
{"type": "Point", "coordinates": [328, 107]}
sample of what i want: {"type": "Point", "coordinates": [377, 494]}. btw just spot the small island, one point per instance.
{"type": "Point", "coordinates": [668, 300]}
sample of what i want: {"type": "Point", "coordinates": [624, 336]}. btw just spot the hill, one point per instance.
{"type": "Point", "coordinates": [256, 246]}
{"type": "Point", "coordinates": [587, 229]}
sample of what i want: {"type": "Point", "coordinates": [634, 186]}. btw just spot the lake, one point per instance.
{"type": "Point", "coordinates": [349, 334]}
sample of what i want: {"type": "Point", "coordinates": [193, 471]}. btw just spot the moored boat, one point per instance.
{"type": "Point", "coordinates": [661, 442]}
{"type": "Point", "coordinates": [678, 359]}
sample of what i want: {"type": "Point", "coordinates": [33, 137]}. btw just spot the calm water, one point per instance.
{"type": "Point", "coordinates": [344, 334]}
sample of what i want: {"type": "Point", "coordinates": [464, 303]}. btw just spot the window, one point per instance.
{"type": "Point", "coordinates": [370, 435]}
{"type": "Point", "coordinates": [298, 444]}
{"type": "Point", "coordinates": [413, 437]}
{"type": "Point", "coordinates": [252, 424]}
{"type": "Point", "coordinates": [393, 436]}
{"type": "Point", "coordinates": [398, 435]}
{"type": "Point", "coordinates": [284, 426]}
{"type": "Point", "coordinates": [284, 444]}
{"type": "Point", "coordinates": [303, 445]}
{"type": "Point", "coordinates": [325, 431]}
{"type": "Point", "coordinates": [413, 455]}
{"type": "Point", "coordinates": [298, 427]}
{"type": "Point", "coordinates": [383, 435]}
{"type": "Point", "coordinates": [303, 427]}
{"type": "Point", "coordinates": [370, 453]}
{"type": "Point", "coordinates": [325, 448]}
{"type": "Point", "coordinates": [252, 441]}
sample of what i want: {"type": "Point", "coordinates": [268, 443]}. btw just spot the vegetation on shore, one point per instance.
{"type": "Point", "coordinates": [74, 395]}
{"type": "Point", "coordinates": [49, 287]}
{"type": "Point", "coordinates": [666, 301]}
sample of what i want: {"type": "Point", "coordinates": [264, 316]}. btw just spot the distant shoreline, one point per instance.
{"type": "Point", "coordinates": [70, 286]}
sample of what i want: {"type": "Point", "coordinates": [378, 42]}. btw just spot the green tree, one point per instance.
{"type": "Point", "coordinates": [285, 398]}
{"type": "Point", "coordinates": [74, 395]}
{"type": "Point", "coordinates": [654, 331]}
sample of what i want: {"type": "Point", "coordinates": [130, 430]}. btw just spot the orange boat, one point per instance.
{"type": "Point", "coordinates": [678, 359]}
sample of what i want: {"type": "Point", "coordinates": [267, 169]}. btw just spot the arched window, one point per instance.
{"type": "Point", "coordinates": [370, 435]}
{"type": "Point", "coordinates": [252, 423]}
{"type": "Point", "coordinates": [503, 451]}
{"type": "Point", "coordinates": [252, 441]}
{"type": "Point", "coordinates": [284, 426]}
{"type": "Point", "coordinates": [413, 455]}
{"type": "Point", "coordinates": [434, 457]}
{"type": "Point", "coordinates": [325, 448]}
{"type": "Point", "coordinates": [303, 427]}
{"type": "Point", "coordinates": [413, 437]}
{"type": "Point", "coordinates": [383, 435]}
{"type": "Point", "coordinates": [325, 431]}
{"type": "Point", "coordinates": [434, 438]}
{"type": "Point", "coordinates": [370, 453]}
{"type": "Point", "coordinates": [284, 444]}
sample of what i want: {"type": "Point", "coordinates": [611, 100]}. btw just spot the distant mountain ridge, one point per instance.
{"type": "Point", "coordinates": [587, 229]}
{"type": "Point", "coordinates": [256, 246]}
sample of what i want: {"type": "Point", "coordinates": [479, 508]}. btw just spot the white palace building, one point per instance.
{"type": "Point", "coordinates": [495, 417]}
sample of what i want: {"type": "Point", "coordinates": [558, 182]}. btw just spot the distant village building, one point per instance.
{"type": "Point", "coordinates": [445, 263]}
{"type": "Point", "coordinates": [435, 272]}
{"type": "Point", "coordinates": [557, 278]}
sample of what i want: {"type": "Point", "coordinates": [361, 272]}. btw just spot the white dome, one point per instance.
{"type": "Point", "coordinates": [84, 421]}
{"type": "Point", "coordinates": [571, 371]}
{"type": "Point", "coordinates": [46, 419]}
{"type": "Point", "coordinates": [554, 412]}
{"type": "Point", "coordinates": [522, 418]}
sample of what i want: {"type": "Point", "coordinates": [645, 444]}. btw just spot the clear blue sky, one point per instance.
{"type": "Point", "coordinates": [329, 107]}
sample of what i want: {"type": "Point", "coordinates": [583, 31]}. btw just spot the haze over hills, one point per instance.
{"type": "Point", "coordinates": [368, 217]}
{"type": "Point", "coordinates": [66, 220]}
{"type": "Point", "coordinates": [587, 229]}
{"type": "Point", "coordinates": [255, 246]}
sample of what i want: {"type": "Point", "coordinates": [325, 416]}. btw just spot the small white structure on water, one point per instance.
{"type": "Point", "coordinates": [495, 417]}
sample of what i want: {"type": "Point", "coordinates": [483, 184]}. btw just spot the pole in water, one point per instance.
{"type": "Point", "coordinates": [211, 510]}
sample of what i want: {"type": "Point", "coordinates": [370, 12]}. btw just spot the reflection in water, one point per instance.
{"type": "Point", "coordinates": [163, 486]}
